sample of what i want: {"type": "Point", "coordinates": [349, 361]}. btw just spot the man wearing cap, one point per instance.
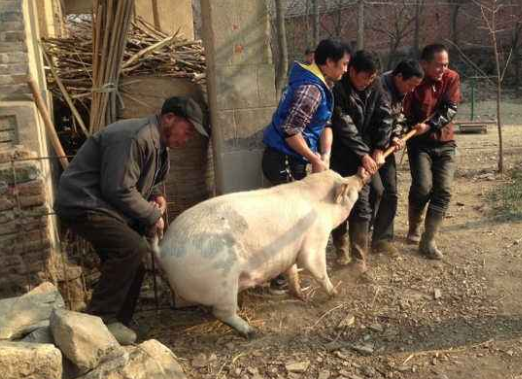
{"type": "Point", "coordinates": [111, 195]}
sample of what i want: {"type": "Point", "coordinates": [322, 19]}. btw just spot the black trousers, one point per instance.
{"type": "Point", "coordinates": [121, 250]}
{"type": "Point", "coordinates": [280, 168]}
{"type": "Point", "coordinates": [384, 199]}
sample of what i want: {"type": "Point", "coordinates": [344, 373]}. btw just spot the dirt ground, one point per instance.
{"type": "Point", "coordinates": [458, 318]}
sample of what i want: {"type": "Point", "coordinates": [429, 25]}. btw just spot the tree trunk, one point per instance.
{"type": "Point", "coordinates": [282, 48]}
{"type": "Point", "coordinates": [454, 24]}
{"type": "Point", "coordinates": [315, 15]}
{"type": "Point", "coordinates": [416, 32]}
{"type": "Point", "coordinates": [360, 26]}
{"type": "Point", "coordinates": [499, 90]}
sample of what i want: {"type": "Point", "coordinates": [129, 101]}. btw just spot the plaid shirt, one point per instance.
{"type": "Point", "coordinates": [306, 101]}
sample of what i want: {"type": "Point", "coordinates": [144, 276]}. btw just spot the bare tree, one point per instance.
{"type": "Point", "coordinates": [282, 47]}
{"type": "Point", "coordinates": [395, 23]}
{"type": "Point", "coordinates": [360, 25]}
{"type": "Point", "coordinates": [419, 5]}
{"type": "Point", "coordinates": [489, 10]}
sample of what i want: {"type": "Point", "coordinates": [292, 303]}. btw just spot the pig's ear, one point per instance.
{"type": "Point", "coordinates": [341, 193]}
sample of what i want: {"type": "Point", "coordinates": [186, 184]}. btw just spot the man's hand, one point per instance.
{"type": "Point", "coordinates": [161, 203]}
{"type": "Point", "coordinates": [378, 157]}
{"type": "Point", "coordinates": [157, 228]}
{"type": "Point", "coordinates": [398, 143]}
{"type": "Point", "coordinates": [363, 174]}
{"type": "Point", "coordinates": [421, 128]}
{"type": "Point", "coordinates": [325, 157]}
{"type": "Point", "coordinates": [317, 164]}
{"type": "Point", "coordinates": [369, 164]}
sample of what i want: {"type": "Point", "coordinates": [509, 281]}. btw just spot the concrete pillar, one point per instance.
{"type": "Point", "coordinates": [241, 89]}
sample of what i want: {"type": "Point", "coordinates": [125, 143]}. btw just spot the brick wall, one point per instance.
{"type": "Point", "coordinates": [26, 246]}
{"type": "Point", "coordinates": [14, 60]}
{"type": "Point", "coordinates": [29, 248]}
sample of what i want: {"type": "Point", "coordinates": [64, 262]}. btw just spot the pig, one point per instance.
{"type": "Point", "coordinates": [233, 242]}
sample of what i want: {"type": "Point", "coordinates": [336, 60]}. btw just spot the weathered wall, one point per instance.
{"type": "Point", "coordinates": [241, 89]}
{"type": "Point", "coordinates": [167, 15]}
{"type": "Point", "coordinates": [28, 241]}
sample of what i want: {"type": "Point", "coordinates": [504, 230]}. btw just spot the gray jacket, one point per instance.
{"type": "Point", "coordinates": [116, 171]}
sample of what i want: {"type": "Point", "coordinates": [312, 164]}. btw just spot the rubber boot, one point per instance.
{"type": "Point", "coordinates": [358, 231]}
{"type": "Point", "coordinates": [386, 247]}
{"type": "Point", "coordinates": [340, 243]}
{"type": "Point", "coordinates": [427, 246]}
{"type": "Point", "coordinates": [414, 225]}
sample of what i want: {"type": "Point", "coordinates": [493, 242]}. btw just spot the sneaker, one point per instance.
{"type": "Point", "coordinates": [124, 335]}
{"type": "Point", "coordinates": [279, 285]}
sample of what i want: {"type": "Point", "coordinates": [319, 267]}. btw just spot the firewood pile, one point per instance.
{"type": "Point", "coordinates": [148, 52]}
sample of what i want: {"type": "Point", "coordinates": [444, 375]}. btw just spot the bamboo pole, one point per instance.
{"type": "Point", "coordinates": [44, 112]}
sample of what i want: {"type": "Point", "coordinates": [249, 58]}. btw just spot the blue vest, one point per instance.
{"type": "Point", "coordinates": [274, 136]}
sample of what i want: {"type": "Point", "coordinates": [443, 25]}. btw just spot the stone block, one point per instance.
{"type": "Point", "coordinates": [12, 15]}
{"type": "Point", "coordinates": [12, 25]}
{"type": "Point", "coordinates": [29, 131]}
{"type": "Point", "coordinates": [20, 315]}
{"type": "Point", "coordinates": [8, 47]}
{"type": "Point", "coordinates": [15, 92]}
{"type": "Point", "coordinates": [40, 335]}
{"type": "Point", "coordinates": [10, 6]}
{"type": "Point", "coordinates": [82, 338]}
{"type": "Point", "coordinates": [244, 86]}
{"type": "Point", "coordinates": [19, 57]}
{"type": "Point", "coordinates": [12, 36]}
{"type": "Point", "coordinates": [20, 360]}
{"type": "Point", "coordinates": [19, 173]}
{"type": "Point", "coordinates": [18, 69]}
{"type": "Point", "coordinates": [149, 360]}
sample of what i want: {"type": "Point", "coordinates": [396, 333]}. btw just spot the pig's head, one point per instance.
{"type": "Point", "coordinates": [347, 191]}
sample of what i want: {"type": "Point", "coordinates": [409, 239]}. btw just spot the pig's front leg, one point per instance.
{"type": "Point", "coordinates": [292, 276]}
{"type": "Point", "coordinates": [314, 260]}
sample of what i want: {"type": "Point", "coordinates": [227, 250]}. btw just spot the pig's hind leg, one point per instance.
{"type": "Point", "coordinates": [226, 311]}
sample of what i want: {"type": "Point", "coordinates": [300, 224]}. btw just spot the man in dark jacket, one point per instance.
{"type": "Point", "coordinates": [431, 107]}
{"type": "Point", "coordinates": [403, 79]}
{"type": "Point", "coordinates": [361, 125]}
{"type": "Point", "coordinates": [111, 195]}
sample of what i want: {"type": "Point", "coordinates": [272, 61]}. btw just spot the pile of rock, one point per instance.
{"type": "Point", "coordinates": [39, 338]}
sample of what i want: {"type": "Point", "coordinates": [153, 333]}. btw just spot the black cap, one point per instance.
{"type": "Point", "coordinates": [186, 107]}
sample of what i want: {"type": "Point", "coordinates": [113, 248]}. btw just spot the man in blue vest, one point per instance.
{"type": "Point", "coordinates": [297, 136]}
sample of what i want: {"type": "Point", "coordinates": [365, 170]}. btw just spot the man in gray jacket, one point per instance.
{"type": "Point", "coordinates": [110, 194]}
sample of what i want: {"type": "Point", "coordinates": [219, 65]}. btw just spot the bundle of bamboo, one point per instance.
{"type": "Point", "coordinates": [80, 77]}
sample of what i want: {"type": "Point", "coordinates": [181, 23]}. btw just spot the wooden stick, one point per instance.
{"type": "Point", "coordinates": [65, 94]}
{"type": "Point", "coordinates": [393, 149]}
{"type": "Point", "coordinates": [44, 112]}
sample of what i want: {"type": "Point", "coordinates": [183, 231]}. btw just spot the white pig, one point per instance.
{"type": "Point", "coordinates": [237, 241]}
